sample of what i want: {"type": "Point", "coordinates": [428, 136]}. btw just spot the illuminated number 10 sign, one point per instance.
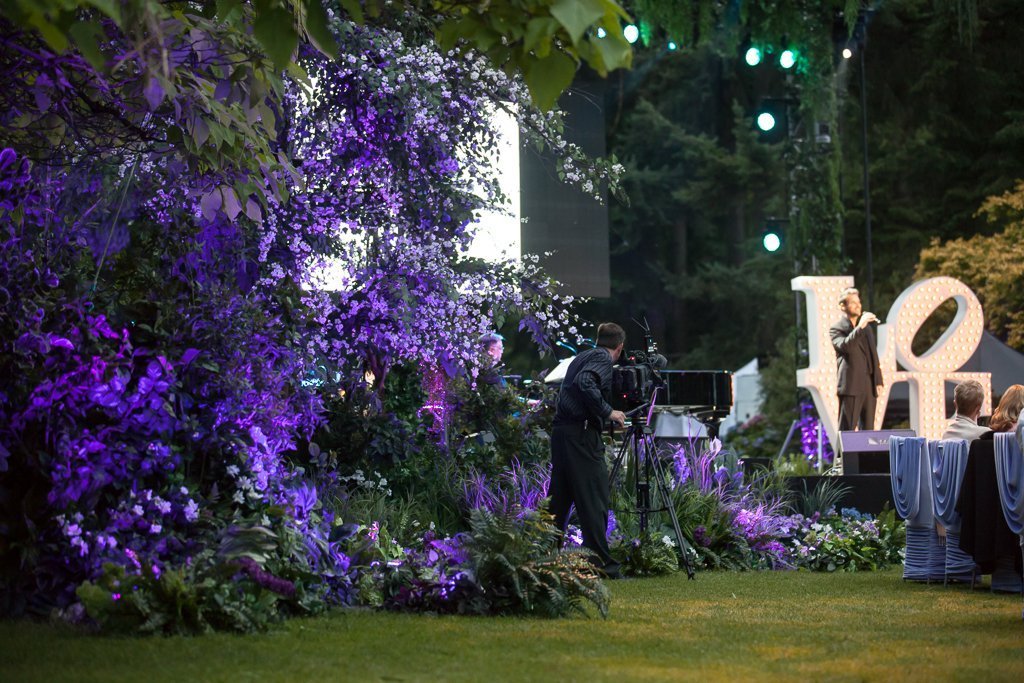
{"type": "Point", "coordinates": [926, 374]}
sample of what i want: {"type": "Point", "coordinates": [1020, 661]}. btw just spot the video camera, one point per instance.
{"type": "Point", "coordinates": [636, 376]}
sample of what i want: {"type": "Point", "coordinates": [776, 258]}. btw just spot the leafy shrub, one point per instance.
{"type": "Point", "coordinates": [224, 591]}
{"type": "Point", "coordinates": [651, 554]}
{"type": "Point", "coordinates": [432, 578]}
{"type": "Point", "coordinates": [846, 542]}
{"type": "Point", "coordinates": [796, 465]}
{"type": "Point", "coordinates": [824, 498]}
{"type": "Point", "coordinates": [515, 561]}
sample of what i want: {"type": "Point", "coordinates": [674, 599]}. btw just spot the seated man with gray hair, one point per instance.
{"type": "Point", "coordinates": [967, 399]}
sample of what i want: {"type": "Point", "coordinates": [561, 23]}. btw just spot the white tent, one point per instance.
{"type": "Point", "coordinates": [746, 396]}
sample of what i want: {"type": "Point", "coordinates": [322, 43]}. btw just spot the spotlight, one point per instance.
{"type": "Point", "coordinates": [772, 119]}
{"type": "Point", "coordinates": [601, 33]}
{"type": "Point", "coordinates": [672, 45]}
{"type": "Point", "coordinates": [847, 53]}
{"type": "Point", "coordinates": [753, 56]}
{"type": "Point", "coordinates": [631, 33]}
{"type": "Point", "coordinates": [787, 59]}
{"type": "Point", "coordinates": [773, 234]}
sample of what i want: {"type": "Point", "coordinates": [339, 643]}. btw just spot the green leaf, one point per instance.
{"type": "Point", "coordinates": [226, 7]}
{"type": "Point", "coordinates": [53, 36]}
{"type": "Point", "coordinates": [547, 78]}
{"type": "Point", "coordinates": [576, 16]}
{"type": "Point", "coordinates": [275, 31]}
{"type": "Point", "coordinates": [200, 131]}
{"type": "Point", "coordinates": [316, 27]}
{"type": "Point", "coordinates": [469, 28]}
{"type": "Point", "coordinates": [538, 35]}
{"type": "Point", "coordinates": [109, 7]}
{"type": "Point", "coordinates": [87, 35]}
{"type": "Point", "coordinates": [446, 35]}
{"type": "Point", "coordinates": [615, 52]}
{"type": "Point", "coordinates": [354, 10]}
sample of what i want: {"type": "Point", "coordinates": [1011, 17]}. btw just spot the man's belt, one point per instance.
{"type": "Point", "coordinates": [589, 423]}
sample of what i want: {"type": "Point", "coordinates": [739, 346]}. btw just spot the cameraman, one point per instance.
{"type": "Point", "coordinates": [579, 473]}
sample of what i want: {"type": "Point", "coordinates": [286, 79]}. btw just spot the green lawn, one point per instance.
{"type": "Point", "coordinates": [722, 626]}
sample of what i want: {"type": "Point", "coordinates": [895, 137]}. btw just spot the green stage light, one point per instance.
{"type": "Point", "coordinates": [672, 45]}
{"type": "Point", "coordinates": [787, 59]}
{"type": "Point", "coordinates": [753, 56]}
{"type": "Point", "coordinates": [773, 233]}
{"type": "Point", "coordinates": [631, 33]}
{"type": "Point", "coordinates": [765, 121]}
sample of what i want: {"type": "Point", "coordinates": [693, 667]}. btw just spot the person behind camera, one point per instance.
{"type": "Point", "coordinates": [579, 473]}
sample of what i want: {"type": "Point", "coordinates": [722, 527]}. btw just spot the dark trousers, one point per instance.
{"type": "Point", "coordinates": [579, 475]}
{"type": "Point", "coordinates": [856, 409]}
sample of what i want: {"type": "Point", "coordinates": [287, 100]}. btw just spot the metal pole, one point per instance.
{"type": "Point", "coordinates": [867, 186]}
{"type": "Point", "coordinates": [821, 451]}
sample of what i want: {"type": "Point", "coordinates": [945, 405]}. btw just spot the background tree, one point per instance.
{"type": "Point", "coordinates": [991, 265]}
{"type": "Point", "coordinates": [944, 133]}
{"type": "Point", "coordinates": [945, 130]}
{"type": "Point", "coordinates": [686, 252]}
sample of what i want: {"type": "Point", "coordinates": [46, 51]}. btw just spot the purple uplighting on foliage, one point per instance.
{"type": "Point", "coordinates": [518, 490]}
{"type": "Point", "coordinates": [163, 305]}
{"type": "Point", "coordinates": [808, 424]}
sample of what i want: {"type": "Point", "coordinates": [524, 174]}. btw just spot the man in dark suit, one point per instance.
{"type": "Point", "coordinates": [860, 375]}
{"type": "Point", "coordinates": [579, 472]}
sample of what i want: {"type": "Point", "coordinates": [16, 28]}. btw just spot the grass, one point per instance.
{"type": "Point", "coordinates": [722, 626]}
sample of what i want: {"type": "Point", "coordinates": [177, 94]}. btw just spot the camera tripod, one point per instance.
{"type": "Point", "coordinates": [638, 445]}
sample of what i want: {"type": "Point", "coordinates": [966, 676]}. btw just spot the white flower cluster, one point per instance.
{"type": "Point", "coordinates": [358, 480]}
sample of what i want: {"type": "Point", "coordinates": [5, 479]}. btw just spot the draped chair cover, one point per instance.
{"type": "Point", "coordinates": [905, 467]}
{"type": "Point", "coordinates": [1010, 480]}
{"type": "Point", "coordinates": [948, 461]}
{"type": "Point", "coordinates": [912, 494]}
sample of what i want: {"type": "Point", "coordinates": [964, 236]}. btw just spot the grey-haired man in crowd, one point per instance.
{"type": "Point", "coordinates": [967, 399]}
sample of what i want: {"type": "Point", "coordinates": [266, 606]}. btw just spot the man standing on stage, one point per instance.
{"type": "Point", "coordinates": [579, 473]}
{"type": "Point", "coordinates": [860, 375]}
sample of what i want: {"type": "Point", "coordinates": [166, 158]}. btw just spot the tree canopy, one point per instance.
{"type": "Point", "coordinates": [991, 265]}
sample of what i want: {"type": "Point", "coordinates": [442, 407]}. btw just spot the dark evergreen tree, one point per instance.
{"type": "Point", "coordinates": [945, 129]}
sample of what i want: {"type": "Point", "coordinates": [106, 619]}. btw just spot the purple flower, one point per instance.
{"type": "Point", "coordinates": [265, 579]}
{"type": "Point", "coordinates": [304, 501]}
{"type": "Point", "coordinates": [721, 477]}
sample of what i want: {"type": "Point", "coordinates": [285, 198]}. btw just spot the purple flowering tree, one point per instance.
{"type": "Point", "coordinates": [169, 206]}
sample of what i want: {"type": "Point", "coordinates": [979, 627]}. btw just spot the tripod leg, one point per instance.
{"type": "Point", "coordinates": [620, 458]}
{"type": "Point", "coordinates": [662, 487]}
{"type": "Point", "coordinates": [643, 483]}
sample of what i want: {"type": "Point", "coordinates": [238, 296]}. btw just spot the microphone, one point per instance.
{"type": "Point", "coordinates": [657, 361]}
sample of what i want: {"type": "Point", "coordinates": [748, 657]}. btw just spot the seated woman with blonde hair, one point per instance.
{"type": "Point", "coordinates": [1009, 410]}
